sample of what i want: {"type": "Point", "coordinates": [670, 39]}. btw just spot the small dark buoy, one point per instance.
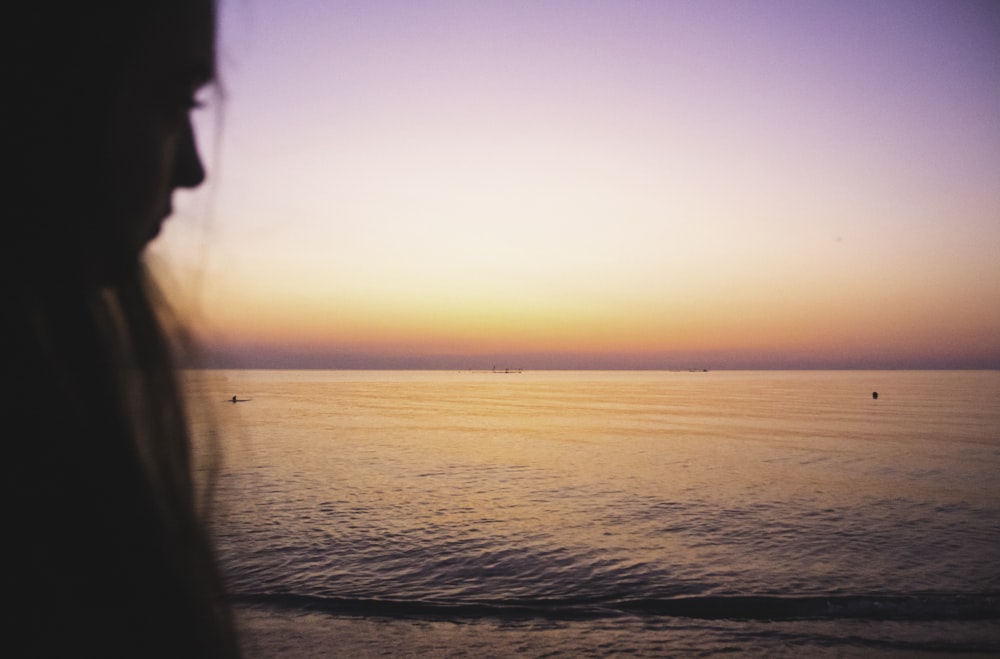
{"type": "Point", "coordinates": [875, 395]}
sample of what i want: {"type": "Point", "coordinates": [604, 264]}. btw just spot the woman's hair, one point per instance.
{"type": "Point", "coordinates": [107, 554]}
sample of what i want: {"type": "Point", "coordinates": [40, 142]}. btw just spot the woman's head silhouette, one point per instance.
{"type": "Point", "coordinates": [100, 121]}
{"type": "Point", "coordinates": [109, 555]}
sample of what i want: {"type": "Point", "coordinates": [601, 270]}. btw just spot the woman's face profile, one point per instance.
{"type": "Point", "coordinates": [152, 144]}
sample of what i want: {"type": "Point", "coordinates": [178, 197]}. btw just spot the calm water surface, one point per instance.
{"type": "Point", "coordinates": [365, 513]}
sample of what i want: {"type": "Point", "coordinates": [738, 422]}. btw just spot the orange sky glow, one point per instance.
{"type": "Point", "coordinates": [598, 185]}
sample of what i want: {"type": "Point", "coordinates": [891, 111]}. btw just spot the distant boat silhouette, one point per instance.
{"type": "Point", "coordinates": [234, 399]}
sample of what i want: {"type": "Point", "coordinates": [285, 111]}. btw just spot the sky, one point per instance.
{"type": "Point", "coordinates": [597, 184]}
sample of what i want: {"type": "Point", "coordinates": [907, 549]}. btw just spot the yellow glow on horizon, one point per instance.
{"type": "Point", "coordinates": [721, 313]}
{"type": "Point", "coordinates": [737, 188]}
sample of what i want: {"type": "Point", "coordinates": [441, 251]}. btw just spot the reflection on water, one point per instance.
{"type": "Point", "coordinates": [607, 488]}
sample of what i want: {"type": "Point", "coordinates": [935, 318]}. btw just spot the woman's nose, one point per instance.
{"type": "Point", "coordinates": [188, 169]}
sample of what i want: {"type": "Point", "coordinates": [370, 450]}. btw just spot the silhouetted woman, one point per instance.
{"type": "Point", "coordinates": [105, 554]}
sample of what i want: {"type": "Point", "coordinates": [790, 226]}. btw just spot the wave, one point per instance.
{"type": "Point", "coordinates": [918, 607]}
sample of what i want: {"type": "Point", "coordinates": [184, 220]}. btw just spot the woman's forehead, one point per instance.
{"type": "Point", "coordinates": [181, 42]}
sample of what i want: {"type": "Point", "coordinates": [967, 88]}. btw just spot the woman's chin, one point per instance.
{"type": "Point", "coordinates": [155, 228]}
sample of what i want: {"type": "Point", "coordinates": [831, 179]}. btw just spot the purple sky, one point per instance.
{"type": "Point", "coordinates": [802, 182]}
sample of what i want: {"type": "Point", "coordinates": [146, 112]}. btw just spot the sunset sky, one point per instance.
{"type": "Point", "coordinates": [584, 184]}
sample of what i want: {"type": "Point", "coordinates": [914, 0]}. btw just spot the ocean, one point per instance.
{"type": "Point", "coordinates": [607, 513]}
